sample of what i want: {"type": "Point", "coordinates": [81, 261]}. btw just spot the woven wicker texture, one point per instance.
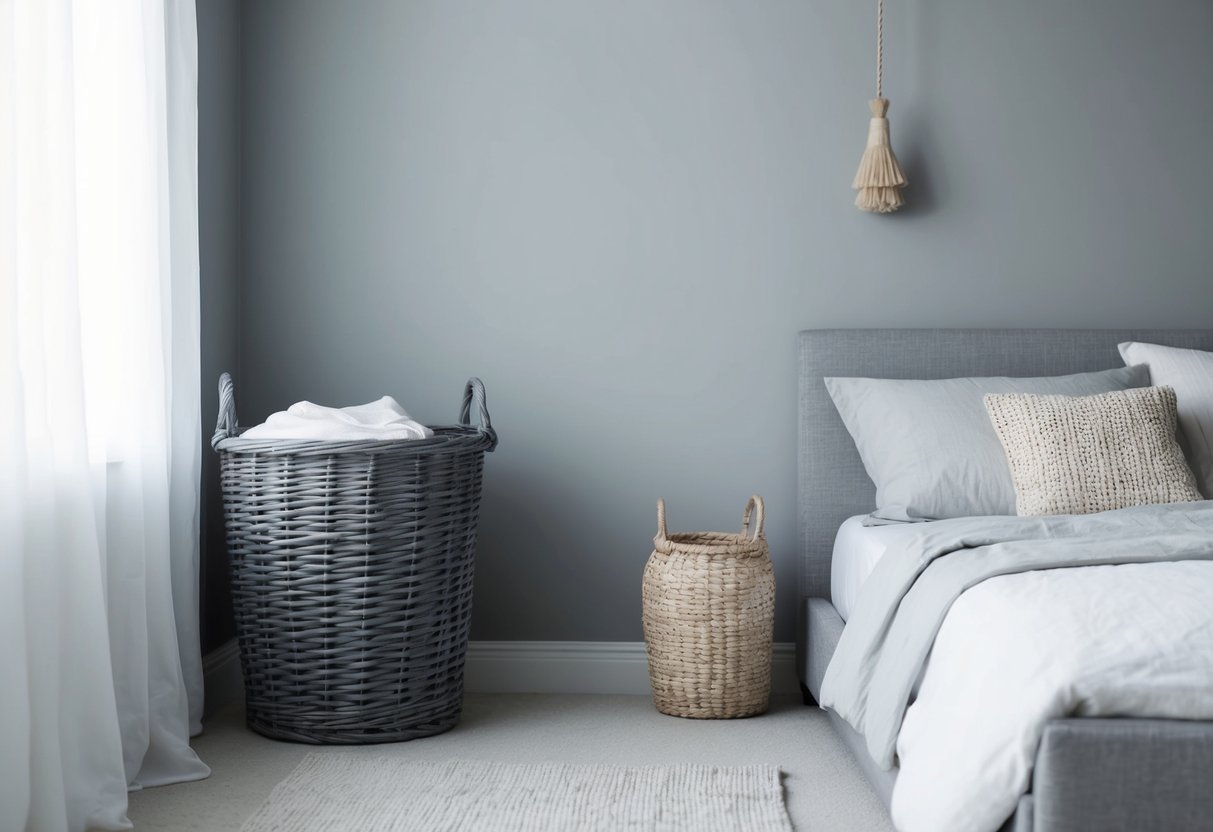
{"type": "Point", "coordinates": [351, 569]}
{"type": "Point", "coordinates": [1083, 454]}
{"type": "Point", "coordinates": [709, 608]}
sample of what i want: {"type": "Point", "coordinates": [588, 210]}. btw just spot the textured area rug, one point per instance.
{"type": "Point", "coordinates": [355, 791]}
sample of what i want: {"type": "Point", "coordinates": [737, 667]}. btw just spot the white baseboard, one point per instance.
{"type": "Point", "coordinates": [582, 667]}
{"type": "Point", "coordinates": [521, 667]}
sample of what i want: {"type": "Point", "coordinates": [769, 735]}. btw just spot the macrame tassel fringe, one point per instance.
{"type": "Point", "coordinates": [879, 179]}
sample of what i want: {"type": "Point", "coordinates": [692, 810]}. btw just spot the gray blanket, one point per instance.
{"type": "Point", "coordinates": [904, 601]}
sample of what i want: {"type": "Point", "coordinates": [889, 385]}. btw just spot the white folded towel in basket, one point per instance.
{"type": "Point", "coordinates": [383, 419]}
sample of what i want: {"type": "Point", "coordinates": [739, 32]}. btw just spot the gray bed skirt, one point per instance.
{"type": "Point", "coordinates": [1091, 774]}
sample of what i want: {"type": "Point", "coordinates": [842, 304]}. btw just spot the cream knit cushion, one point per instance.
{"type": "Point", "coordinates": [1190, 372]}
{"type": "Point", "coordinates": [1082, 454]}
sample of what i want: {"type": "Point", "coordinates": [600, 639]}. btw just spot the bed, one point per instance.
{"type": "Point", "coordinates": [1089, 773]}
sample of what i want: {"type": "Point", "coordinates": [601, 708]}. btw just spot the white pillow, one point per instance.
{"type": "Point", "coordinates": [1083, 454]}
{"type": "Point", "coordinates": [1190, 373]}
{"type": "Point", "coordinates": [929, 446]}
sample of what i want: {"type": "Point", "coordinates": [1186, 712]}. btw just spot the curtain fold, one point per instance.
{"type": "Point", "coordinates": [99, 367]}
{"type": "Point", "coordinates": [185, 338]}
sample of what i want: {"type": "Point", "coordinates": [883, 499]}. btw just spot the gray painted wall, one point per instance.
{"type": "Point", "coordinates": [620, 213]}
{"type": "Point", "coordinates": [219, 82]}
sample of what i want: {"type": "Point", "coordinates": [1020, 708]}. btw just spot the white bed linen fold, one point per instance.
{"type": "Point", "coordinates": [1024, 620]}
{"type": "Point", "coordinates": [857, 549]}
{"type": "Point", "coordinates": [1019, 650]}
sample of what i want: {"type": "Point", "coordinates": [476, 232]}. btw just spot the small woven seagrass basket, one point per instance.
{"type": "Point", "coordinates": [709, 609]}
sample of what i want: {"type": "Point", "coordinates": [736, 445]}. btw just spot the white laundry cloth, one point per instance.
{"type": "Point", "coordinates": [381, 419]}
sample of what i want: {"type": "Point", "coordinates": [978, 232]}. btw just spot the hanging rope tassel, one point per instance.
{"type": "Point", "coordinates": [879, 179]}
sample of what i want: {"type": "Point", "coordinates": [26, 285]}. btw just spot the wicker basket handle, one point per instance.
{"type": "Point", "coordinates": [227, 423]}
{"type": "Point", "coordinates": [754, 505]}
{"type": "Point", "coordinates": [754, 508]}
{"type": "Point", "coordinates": [473, 392]}
{"type": "Point", "coordinates": [662, 534]}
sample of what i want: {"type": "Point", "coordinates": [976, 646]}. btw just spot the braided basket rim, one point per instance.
{"type": "Point", "coordinates": [446, 438]}
{"type": "Point", "coordinates": [710, 543]}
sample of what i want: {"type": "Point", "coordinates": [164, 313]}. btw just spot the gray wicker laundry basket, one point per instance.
{"type": "Point", "coordinates": [352, 576]}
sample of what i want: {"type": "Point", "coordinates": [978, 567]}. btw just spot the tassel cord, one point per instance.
{"type": "Point", "coordinates": [880, 48]}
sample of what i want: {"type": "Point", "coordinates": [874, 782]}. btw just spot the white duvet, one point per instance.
{"type": "Point", "coordinates": [1018, 650]}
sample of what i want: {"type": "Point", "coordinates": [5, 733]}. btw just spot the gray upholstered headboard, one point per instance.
{"type": "Point", "coordinates": [833, 483]}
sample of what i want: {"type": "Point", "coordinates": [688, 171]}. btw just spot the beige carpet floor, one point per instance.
{"type": "Point", "coordinates": [825, 791]}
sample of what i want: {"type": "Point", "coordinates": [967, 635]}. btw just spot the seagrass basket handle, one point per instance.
{"type": "Point", "coordinates": [753, 509]}
{"type": "Point", "coordinates": [227, 423]}
{"type": "Point", "coordinates": [754, 505]}
{"type": "Point", "coordinates": [661, 530]}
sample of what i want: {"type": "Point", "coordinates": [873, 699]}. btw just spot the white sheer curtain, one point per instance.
{"type": "Point", "coordinates": [100, 675]}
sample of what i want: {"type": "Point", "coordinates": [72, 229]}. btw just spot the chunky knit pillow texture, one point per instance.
{"type": "Point", "coordinates": [1190, 372]}
{"type": "Point", "coordinates": [1083, 454]}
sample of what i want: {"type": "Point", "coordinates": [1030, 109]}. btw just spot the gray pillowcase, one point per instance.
{"type": "Point", "coordinates": [929, 447]}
